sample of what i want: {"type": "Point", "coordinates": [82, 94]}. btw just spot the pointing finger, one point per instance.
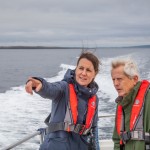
{"type": "Point", "coordinates": [38, 88]}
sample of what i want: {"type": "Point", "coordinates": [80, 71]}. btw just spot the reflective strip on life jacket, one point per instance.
{"type": "Point", "coordinates": [74, 111]}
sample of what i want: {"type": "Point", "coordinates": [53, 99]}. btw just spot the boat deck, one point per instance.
{"type": "Point", "coordinates": [106, 145]}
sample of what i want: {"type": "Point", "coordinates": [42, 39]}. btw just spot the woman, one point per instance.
{"type": "Point", "coordinates": [72, 124]}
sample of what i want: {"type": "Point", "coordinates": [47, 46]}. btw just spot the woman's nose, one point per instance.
{"type": "Point", "coordinates": [84, 72]}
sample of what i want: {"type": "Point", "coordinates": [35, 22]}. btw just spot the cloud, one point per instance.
{"type": "Point", "coordinates": [69, 23]}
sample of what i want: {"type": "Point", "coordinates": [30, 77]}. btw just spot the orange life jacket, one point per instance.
{"type": "Point", "coordinates": [136, 113]}
{"type": "Point", "coordinates": [70, 121]}
{"type": "Point", "coordinates": [74, 104]}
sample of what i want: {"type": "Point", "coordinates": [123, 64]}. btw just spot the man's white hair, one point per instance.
{"type": "Point", "coordinates": [130, 67]}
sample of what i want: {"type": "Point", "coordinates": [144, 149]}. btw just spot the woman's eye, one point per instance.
{"type": "Point", "coordinates": [88, 70]}
{"type": "Point", "coordinates": [81, 68]}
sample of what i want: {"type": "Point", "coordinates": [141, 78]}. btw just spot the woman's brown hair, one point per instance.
{"type": "Point", "coordinates": [91, 57]}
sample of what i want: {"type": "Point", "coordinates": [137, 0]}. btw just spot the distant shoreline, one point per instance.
{"type": "Point", "coordinates": [57, 47]}
{"type": "Point", "coordinates": [37, 47]}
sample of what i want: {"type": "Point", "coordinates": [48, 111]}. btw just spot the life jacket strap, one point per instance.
{"type": "Point", "coordinates": [147, 138]}
{"type": "Point", "coordinates": [140, 135]}
{"type": "Point", "coordinates": [52, 127]}
{"type": "Point", "coordinates": [135, 135]}
{"type": "Point", "coordinates": [65, 126]}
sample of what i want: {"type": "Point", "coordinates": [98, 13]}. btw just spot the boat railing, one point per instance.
{"type": "Point", "coordinates": [107, 116]}
{"type": "Point", "coordinates": [40, 132]}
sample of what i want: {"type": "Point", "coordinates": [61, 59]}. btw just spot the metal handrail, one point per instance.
{"type": "Point", "coordinates": [106, 116]}
{"type": "Point", "coordinates": [24, 140]}
{"type": "Point", "coordinates": [40, 132]}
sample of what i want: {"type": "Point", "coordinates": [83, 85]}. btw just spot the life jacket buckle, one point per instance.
{"type": "Point", "coordinates": [79, 128]}
{"type": "Point", "coordinates": [82, 129]}
{"type": "Point", "coordinates": [86, 131]}
{"type": "Point", "coordinates": [125, 136]}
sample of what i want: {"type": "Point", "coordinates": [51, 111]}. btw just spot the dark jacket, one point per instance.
{"type": "Point", "coordinates": [58, 93]}
{"type": "Point", "coordinates": [127, 103]}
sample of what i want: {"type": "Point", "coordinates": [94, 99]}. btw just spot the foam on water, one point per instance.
{"type": "Point", "coordinates": [20, 114]}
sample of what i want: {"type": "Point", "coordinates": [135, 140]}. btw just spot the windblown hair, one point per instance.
{"type": "Point", "coordinates": [91, 57]}
{"type": "Point", "coordinates": [130, 67]}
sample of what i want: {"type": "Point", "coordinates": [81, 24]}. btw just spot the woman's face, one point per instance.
{"type": "Point", "coordinates": [85, 72]}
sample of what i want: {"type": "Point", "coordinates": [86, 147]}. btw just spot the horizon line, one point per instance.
{"type": "Point", "coordinates": [68, 47]}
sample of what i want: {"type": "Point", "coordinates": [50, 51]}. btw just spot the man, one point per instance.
{"type": "Point", "coordinates": [132, 123]}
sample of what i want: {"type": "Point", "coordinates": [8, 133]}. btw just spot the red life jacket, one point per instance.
{"type": "Point", "coordinates": [137, 110]}
{"type": "Point", "coordinates": [70, 120]}
{"type": "Point", "coordinates": [74, 106]}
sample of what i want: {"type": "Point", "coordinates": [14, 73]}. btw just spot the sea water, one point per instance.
{"type": "Point", "coordinates": [22, 114]}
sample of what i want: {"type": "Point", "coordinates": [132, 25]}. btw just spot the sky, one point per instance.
{"type": "Point", "coordinates": [88, 23]}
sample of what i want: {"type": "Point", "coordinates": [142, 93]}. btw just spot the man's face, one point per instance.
{"type": "Point", "coordinates": [122, 83]}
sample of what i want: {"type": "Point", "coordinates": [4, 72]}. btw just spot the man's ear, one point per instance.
{"type": "Point", "coordinates": [136, 79]}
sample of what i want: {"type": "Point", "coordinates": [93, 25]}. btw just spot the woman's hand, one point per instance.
{"type": "Point", "coordinates": [33, 84]}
